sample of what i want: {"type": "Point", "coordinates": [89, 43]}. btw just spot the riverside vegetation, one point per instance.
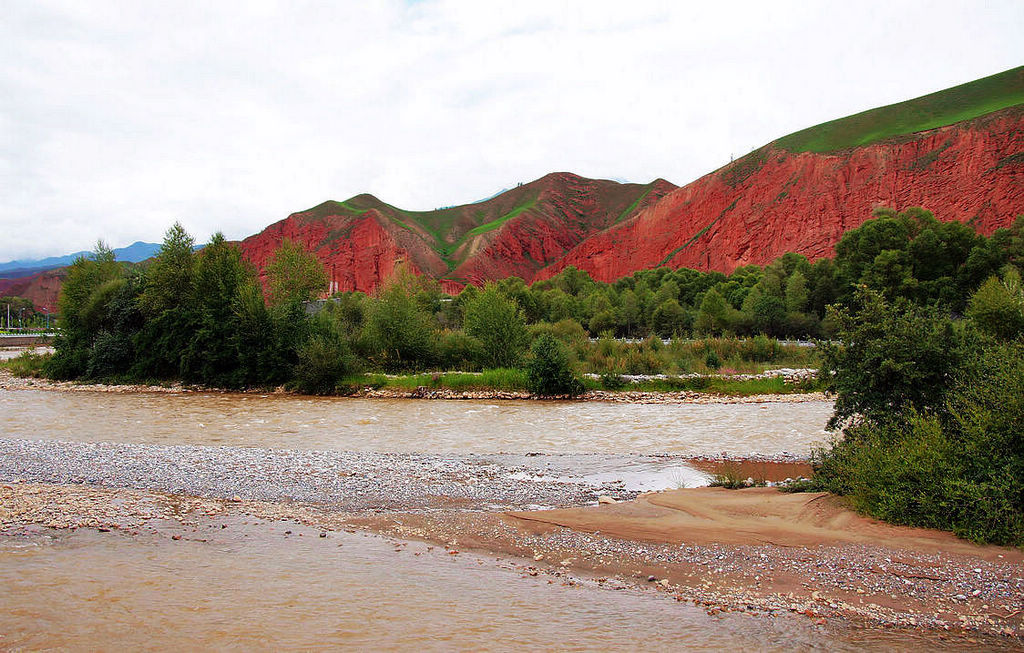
{"type": "Point", "coordinates": [925, 321]}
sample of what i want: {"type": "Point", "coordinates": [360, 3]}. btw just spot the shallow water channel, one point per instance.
{"type": "Point", "coordinates": [252, 587]}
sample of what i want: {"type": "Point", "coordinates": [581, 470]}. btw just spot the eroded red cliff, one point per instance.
{"type": "Point", "coordinates": [775, 201]}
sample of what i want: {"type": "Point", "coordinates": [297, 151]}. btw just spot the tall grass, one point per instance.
{"type": "Point", "coordinates": [28, 364]}
{"type": "Point", "coordinates": [504, 379]}
{"type": "Point", "coordinates": [705, 356]}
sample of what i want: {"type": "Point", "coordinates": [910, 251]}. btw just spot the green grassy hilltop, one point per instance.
{"type": "Point", "coordinates": [945, 107]}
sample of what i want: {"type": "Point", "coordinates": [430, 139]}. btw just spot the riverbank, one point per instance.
{"type": "Point", "coordinates": [756, 551]}
{"type": "Point", "coordinates": [9, 381]}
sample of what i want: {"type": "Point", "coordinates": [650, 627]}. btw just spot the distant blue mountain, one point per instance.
{"type": "Point", "coordinates": [137, 251]}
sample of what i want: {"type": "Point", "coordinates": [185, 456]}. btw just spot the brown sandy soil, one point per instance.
{"type": "Point", "coordinates": [753, 550]}
{"type": "Point", "coordinates": [754, 516]}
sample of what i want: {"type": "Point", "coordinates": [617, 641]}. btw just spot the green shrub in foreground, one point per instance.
{"type": "Point", "coordinates": [958, 467]}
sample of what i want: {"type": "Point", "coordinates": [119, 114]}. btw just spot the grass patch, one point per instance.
{"type": "Point", "coordinates": [632, 207]}
{"type": "Point", "coordinates": [738, 172]}
{"type": "Point", "coordinates": [731, 479]}
{"type": "Point", "coordinates": [503, 379]}
{"type": "Point", "coordinates": [494, 224]}
{"type": "Point", "coordinates": [952, 105]}
{"type": "Point", "coordinates": [1013, 159]}
{"type": "Point", "coordinates": [697, 235]}
{"type": "Point", "coordinates": [725, 386]}
{"type": "Point", "coordinates": [27, 365]}
{"type": "Point", "coordinates": [924, 161]}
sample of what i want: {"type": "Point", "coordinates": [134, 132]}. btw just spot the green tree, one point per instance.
{"type": "Point", "coordinates": [796, 292]}
{"type": "Point", "coordinates": [294, 274]}
{"type": "Point", "coordinates": [548, 370]}
{"type": "Point", "coordinates": [713, 315]}
{"type": "Point", "coordinates": [499, 325]}
{"type": "Point", "coordinates": [211, 355]}
{"type": "Point", "coordinates": [998, 306]}
{"type": "Point", "coordinates": [169, 280]}
{"type": "Point", "coordinates": [168, 304]}
{"type": "Point", "coordinates": [888, 359]}
{"type": "Point", "coordinates": [399, 333]}
{"type": "Point", "coordinates": [82, 315]}
{"type": "Point", "coordinates": [323, 359]}
{"type": "Point", "coordinates": [670, 319]}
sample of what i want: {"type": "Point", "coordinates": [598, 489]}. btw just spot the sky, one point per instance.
{"type": "Point", "coordinates": [119, 118]}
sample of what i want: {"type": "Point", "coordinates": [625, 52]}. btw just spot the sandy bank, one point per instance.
{"type": "Point", "coordinates": [752, 517]}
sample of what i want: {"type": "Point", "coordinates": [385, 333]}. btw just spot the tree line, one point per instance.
{"type": "Point", "coordinates": [208, 317]}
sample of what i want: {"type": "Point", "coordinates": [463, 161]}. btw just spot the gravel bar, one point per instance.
{"type": "Point", "coordinates": [351, 481]}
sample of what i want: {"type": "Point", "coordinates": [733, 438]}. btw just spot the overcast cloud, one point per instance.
{"type": "Point", "coordinates": [118, 118]}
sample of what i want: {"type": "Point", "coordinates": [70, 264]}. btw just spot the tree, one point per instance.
{"type": "Point", "coordinates": [399, 334]}
{"type": "Point", "coordinates": [170, 277]}
{"type": "Point", "coordinates": [548, 371]}
{"type": "Point", "coordinates": [670, 319]}
{"type": "Point", "coordinates": [499, 325]}
{"type": "Point", "coordinates": [796, 292]}
{"type": "Point", "coordinates": [889, 358]}
{"type": "Point", "coordinates": [211, 355]}
{"type": "Point", "coordinates": [81, 314]}
{"type": "Point", "coordinates": [324, 358]}
{"type": "Point", "coordinates": [294, 274]}
{"type": "Point", "coordinates": [713, 315]}
{"type": "Point", "coordinates": [998, 306]}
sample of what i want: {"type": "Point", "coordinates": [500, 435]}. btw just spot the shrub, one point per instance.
{"type": "Point", "coordinates": [548, 371]}
{"type": "Point", "coordinates": [711, 360]}
{"type": "Point", "coordinates": [499, 325]}
{"type": "Point", "coordinates": [324, 360]}
{"type": "Point", "coordinates": [110, 354]}
{"type": "Point", "coordinates": [612, 381]}
{"type": "Point", "coordinates": [760, 349]}
{"type": "Point", "coordinates": [955, 465]}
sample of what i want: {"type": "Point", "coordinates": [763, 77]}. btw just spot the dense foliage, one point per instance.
{"type": "Point", "coordinates": [206, 316]}
{"type": "Point", "coordinates": [934, 415]}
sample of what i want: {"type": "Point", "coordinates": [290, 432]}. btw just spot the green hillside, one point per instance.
{"type": "Point", "coordinates": [946, 107]}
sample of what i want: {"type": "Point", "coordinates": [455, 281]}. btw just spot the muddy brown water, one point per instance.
{"type": "Point", "coordinates": [253, 588]}
{"type": "Point", "coordinates": [404, 425]}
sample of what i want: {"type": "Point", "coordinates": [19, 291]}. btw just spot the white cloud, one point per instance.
{"type": "Point", "coordinates": [117, 118]}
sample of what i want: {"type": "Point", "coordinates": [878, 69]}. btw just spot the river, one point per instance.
{"type": "Point", "coordinates": [249, 586]}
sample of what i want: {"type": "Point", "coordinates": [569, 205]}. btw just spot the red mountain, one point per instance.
{"type": "Point", "coordinates": [776, 201]}
{"type": "Point", "coordinates": [516, 233]}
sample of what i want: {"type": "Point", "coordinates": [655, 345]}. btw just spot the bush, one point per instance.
{"type": "Point", "coordinates": [891, 357]}
{"type": "Point", "coordinates": [323, 361]}
{"type": "Point", "coordinates": [712, 361]}
{"type": "Point", "coordinates": [760, 349]}
{"type": "Point", "coordinates": [110, 354]}
{"type": "Point", "coordinates": [612, 381]}
{"type": "Point", "coordinates": [956, 465]}
{"type": "Point", "coordinates": [458, 351]}
{"type": "Point", "coordinates": [548, 371]}
{"type": "Point", "coordinates": [498, 324]}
